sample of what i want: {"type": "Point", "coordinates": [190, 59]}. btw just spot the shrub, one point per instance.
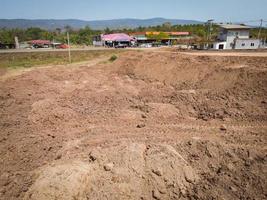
{"type": "Point", "coordinates": [113, 58]}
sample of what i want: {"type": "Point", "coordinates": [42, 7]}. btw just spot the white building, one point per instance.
{"type": "Point", "coordinates": [235, 37]}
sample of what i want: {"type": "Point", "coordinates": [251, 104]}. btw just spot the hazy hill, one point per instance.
{"type": "Point", "coordinates": [97, 24]}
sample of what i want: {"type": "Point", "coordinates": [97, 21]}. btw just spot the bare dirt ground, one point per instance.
{"type": "Point", "coordinates": [151, 125]}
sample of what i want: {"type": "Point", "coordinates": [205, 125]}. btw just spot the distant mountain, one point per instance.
{"type": "Point", "coordinates": [51, 24]}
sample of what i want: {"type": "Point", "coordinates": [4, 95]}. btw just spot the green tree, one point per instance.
{"type": "Point", "coordinates": [68, 29]}
{"type": "Point", "coordinates": [58, 31]}
{"type": "Point", "coordinates": [167, 26]}
{"type": "Point", "coordinates": [34, 33]}
{"type": "Point", "coordinates": [158, 37]}
{"type": "Point", "coordinates": [85, 36]}
{"type": "Point", "coordinates": [107, 31]}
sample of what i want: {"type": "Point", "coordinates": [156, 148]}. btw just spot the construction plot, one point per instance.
{"type": "Point", "coordinates": [149, 125]}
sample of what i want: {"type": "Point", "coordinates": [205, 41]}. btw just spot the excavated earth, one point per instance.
{"type": "Point", "coordinates": [150, 125]}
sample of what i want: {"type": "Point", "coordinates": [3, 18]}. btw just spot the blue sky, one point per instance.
{"type": "Point", "coordinates": [220, 10]}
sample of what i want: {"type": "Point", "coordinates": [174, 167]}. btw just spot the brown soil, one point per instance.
{"type": "Point", "coordinates": [151, 125]}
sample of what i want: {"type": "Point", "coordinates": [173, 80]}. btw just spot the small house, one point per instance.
{"type": "Point", "coordinates": [235, 37]}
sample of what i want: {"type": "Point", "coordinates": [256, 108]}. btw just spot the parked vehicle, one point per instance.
{"type": "Point", "coordinates": [148, 45]}
{"type": "Point", "coordinates": [62, 46]}
{"type": "Point", "coordinates": [7, 46]}
{"type": "Point", "coordinates": [121, 45]}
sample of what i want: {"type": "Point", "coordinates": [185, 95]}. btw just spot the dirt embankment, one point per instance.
{"type": "Point", "coordinates": [150, 125]}
{"type": "Point", "coordinates": [209, 86]}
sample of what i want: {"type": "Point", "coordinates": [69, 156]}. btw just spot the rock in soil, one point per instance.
{"type": "Point", "coordinates": [109, 166]}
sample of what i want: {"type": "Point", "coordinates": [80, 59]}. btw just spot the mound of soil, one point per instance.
{"type": "Point", "coordinates": [125, 171]}
{"type": "Point", "coordinates": [150, 125]}
{"type": "Point", "coordinates": [159, 171]}
{"type": "Point", "coordinates": [214, 87]}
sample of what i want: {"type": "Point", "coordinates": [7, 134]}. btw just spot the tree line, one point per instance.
{"type": "Point", "coordinates": [84, 36]}
{"type": "Point", "coordinates": [81, 36]}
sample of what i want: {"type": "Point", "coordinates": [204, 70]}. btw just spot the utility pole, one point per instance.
{"type": "Point", "coordinates": [209, 24]}
{"type": "Point", "coordinates": [259, 34]}
{"type": "Point", "coordinates": [68, 37]}
{"type": "Point", "coordinates": [16, 42]}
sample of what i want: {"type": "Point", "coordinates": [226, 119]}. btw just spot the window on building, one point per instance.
{"type": "Point", "coordinates": [230, 33]}
{"type": "Point", "coordinates": [252, 44]}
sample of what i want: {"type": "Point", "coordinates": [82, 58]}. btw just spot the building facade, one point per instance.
{"type": "Point", "coordinates": [235, 37]}
{"type": "Point", "coordinates": [117, 40]}
{"type": "Point", "coordinates": [159, 38]}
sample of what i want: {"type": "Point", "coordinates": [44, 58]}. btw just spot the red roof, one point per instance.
{"type": "Point", "coordinates": [178, 33]}
{"type": "Point", "coordinates": [40, 42]}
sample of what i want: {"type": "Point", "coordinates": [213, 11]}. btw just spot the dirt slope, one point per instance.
{"type": "Point", "coordinates": [151, 125]}
{"type": "Point", "coordinates": [210, 87]}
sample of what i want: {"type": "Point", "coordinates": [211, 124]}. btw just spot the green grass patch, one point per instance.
{"type": "Point", "coordinates": [30, 59]}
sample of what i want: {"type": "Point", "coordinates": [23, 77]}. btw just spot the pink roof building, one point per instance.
{"type": "Point", "coordinates": [117, 37]}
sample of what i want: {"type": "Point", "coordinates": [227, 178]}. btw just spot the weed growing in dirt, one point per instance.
{"type": "Point", "coordinates": [113, 58]}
